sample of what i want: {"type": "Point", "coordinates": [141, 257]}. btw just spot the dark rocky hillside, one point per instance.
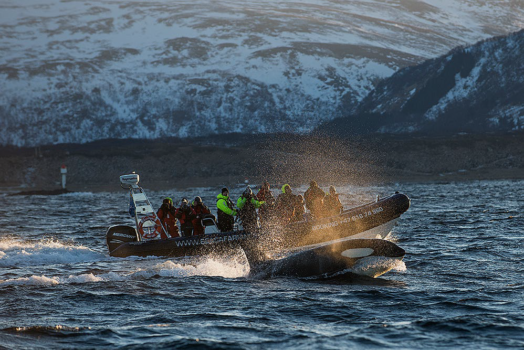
{"type": "Point", "coordinates": [473, 89]}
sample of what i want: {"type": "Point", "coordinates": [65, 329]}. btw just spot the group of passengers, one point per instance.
{"type": "Point", "coordinates": [189, 217]}
{"type": "Point", "coordinates": [285, 209]}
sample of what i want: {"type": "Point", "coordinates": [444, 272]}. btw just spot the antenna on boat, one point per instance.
{"type": "Point", "coordinates": [148, 224]}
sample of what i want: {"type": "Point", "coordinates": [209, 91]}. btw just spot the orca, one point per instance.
{"type": "Point", "coordinates": [327, 259]}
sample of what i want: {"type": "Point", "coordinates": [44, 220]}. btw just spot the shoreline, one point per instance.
{"type": "Point", "coordinates": [499, 175]}
{"type": "Point", "coordinates": [180, 164]}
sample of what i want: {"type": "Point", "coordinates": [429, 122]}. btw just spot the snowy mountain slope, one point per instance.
{"type": "Point", "coordinates": [76, 71]}
{"type": "Point", "coordinates": [473, 89]}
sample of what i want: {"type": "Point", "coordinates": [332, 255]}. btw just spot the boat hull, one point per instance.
{"type": "Point", "coordinates": [214, 244]}
{"type": "Point", "coordinates": [372, 220]}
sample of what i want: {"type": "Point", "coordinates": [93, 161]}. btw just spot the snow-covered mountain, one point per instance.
{"type": "Point", "coordinates": [76, 71]}
{"type": "Point", "coordinates": [473, 89]}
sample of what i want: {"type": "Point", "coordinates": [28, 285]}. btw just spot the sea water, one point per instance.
{"type": "Point", "coordinates": [461, 284]}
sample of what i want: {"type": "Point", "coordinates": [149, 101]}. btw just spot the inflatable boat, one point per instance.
{"type": "Point", "coordinates": [355, 233]}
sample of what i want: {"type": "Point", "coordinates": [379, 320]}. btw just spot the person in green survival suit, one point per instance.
{"type": "Point", "coordinates": [247, 208]}
{"type": "Point", "coordinates": [225, 211]}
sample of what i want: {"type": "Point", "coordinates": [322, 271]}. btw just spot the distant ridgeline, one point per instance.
{"type": "Point", "coordinates": [474, 89]}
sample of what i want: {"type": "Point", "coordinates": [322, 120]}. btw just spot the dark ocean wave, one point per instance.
{"type": "Point", "coordinates": [56, 331]}
{"type": "Point", "coordinates": [482, 324]}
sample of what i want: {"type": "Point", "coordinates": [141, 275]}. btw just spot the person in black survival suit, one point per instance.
{"type": "Point", "coordinates": [299, 209]}
{"type": "Point", "coordinates": [314, 197]}
{"type": "Point", "coordinates": [185, 215]}
{"type": "Point", "coordinates": [266, 212]}
{"type": "Point", "coordinates": [332, 204]}
{"type": "Point", "coordinates": [200, 210]}
{"type": "Point", "coordinates": [167, 216]}
{"type": "Point", "coordinates": [286, 205]}
{"type": "Point", "coordinates": [247, 209]}
{"type": "Point", "coordinates": [225, 211]}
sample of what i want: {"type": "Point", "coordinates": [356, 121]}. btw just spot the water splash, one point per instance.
{"type": "Point", "coordinates": [392, 237]}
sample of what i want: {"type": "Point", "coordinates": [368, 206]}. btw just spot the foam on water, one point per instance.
{"type": "Point", "coordinates": [374, 266]}
{"type": "Point", "coordinates": [204, 267]}
{"type": "Point", "coordinates": [15, 253]}
{"type": "Point", "coordinates": [76, 194]}
{"type": "Point", "coordinates": [31, 281]}
{"type": "Point", "coordinates": [56, 280]}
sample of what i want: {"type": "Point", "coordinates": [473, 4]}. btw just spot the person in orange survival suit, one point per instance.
{"type": "Point", "coordinates": [166, 214]}
{"type": "Point", "coordinates": [185, 215]}
{"type": "Point", "coordinates": [200, 210]}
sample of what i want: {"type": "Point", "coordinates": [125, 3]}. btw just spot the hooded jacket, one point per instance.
{"type": "Point", "coordinates": [242, 201]}
{"type": "Point", "coordinates": [312, 196]}
{"type": "Point", "coordinates": [225, 205]}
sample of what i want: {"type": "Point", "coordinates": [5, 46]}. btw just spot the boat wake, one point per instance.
{"type": "Point", "coordinates": [52, 281]}
{"type": "Point", "coordinates": [211, 267]}
{"type": "Point", "coordinates": [144, 269]}
{"type": "Point", "coordinates": [16, 253]}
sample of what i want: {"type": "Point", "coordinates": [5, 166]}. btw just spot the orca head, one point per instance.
{"type": "Point", "coordinates": [389, 250]}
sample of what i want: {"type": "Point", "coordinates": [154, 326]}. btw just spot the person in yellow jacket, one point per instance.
{"type": "Point", "coordinates": [225, 211]}
{"type": "Point", "coordinates": [247, 206]}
